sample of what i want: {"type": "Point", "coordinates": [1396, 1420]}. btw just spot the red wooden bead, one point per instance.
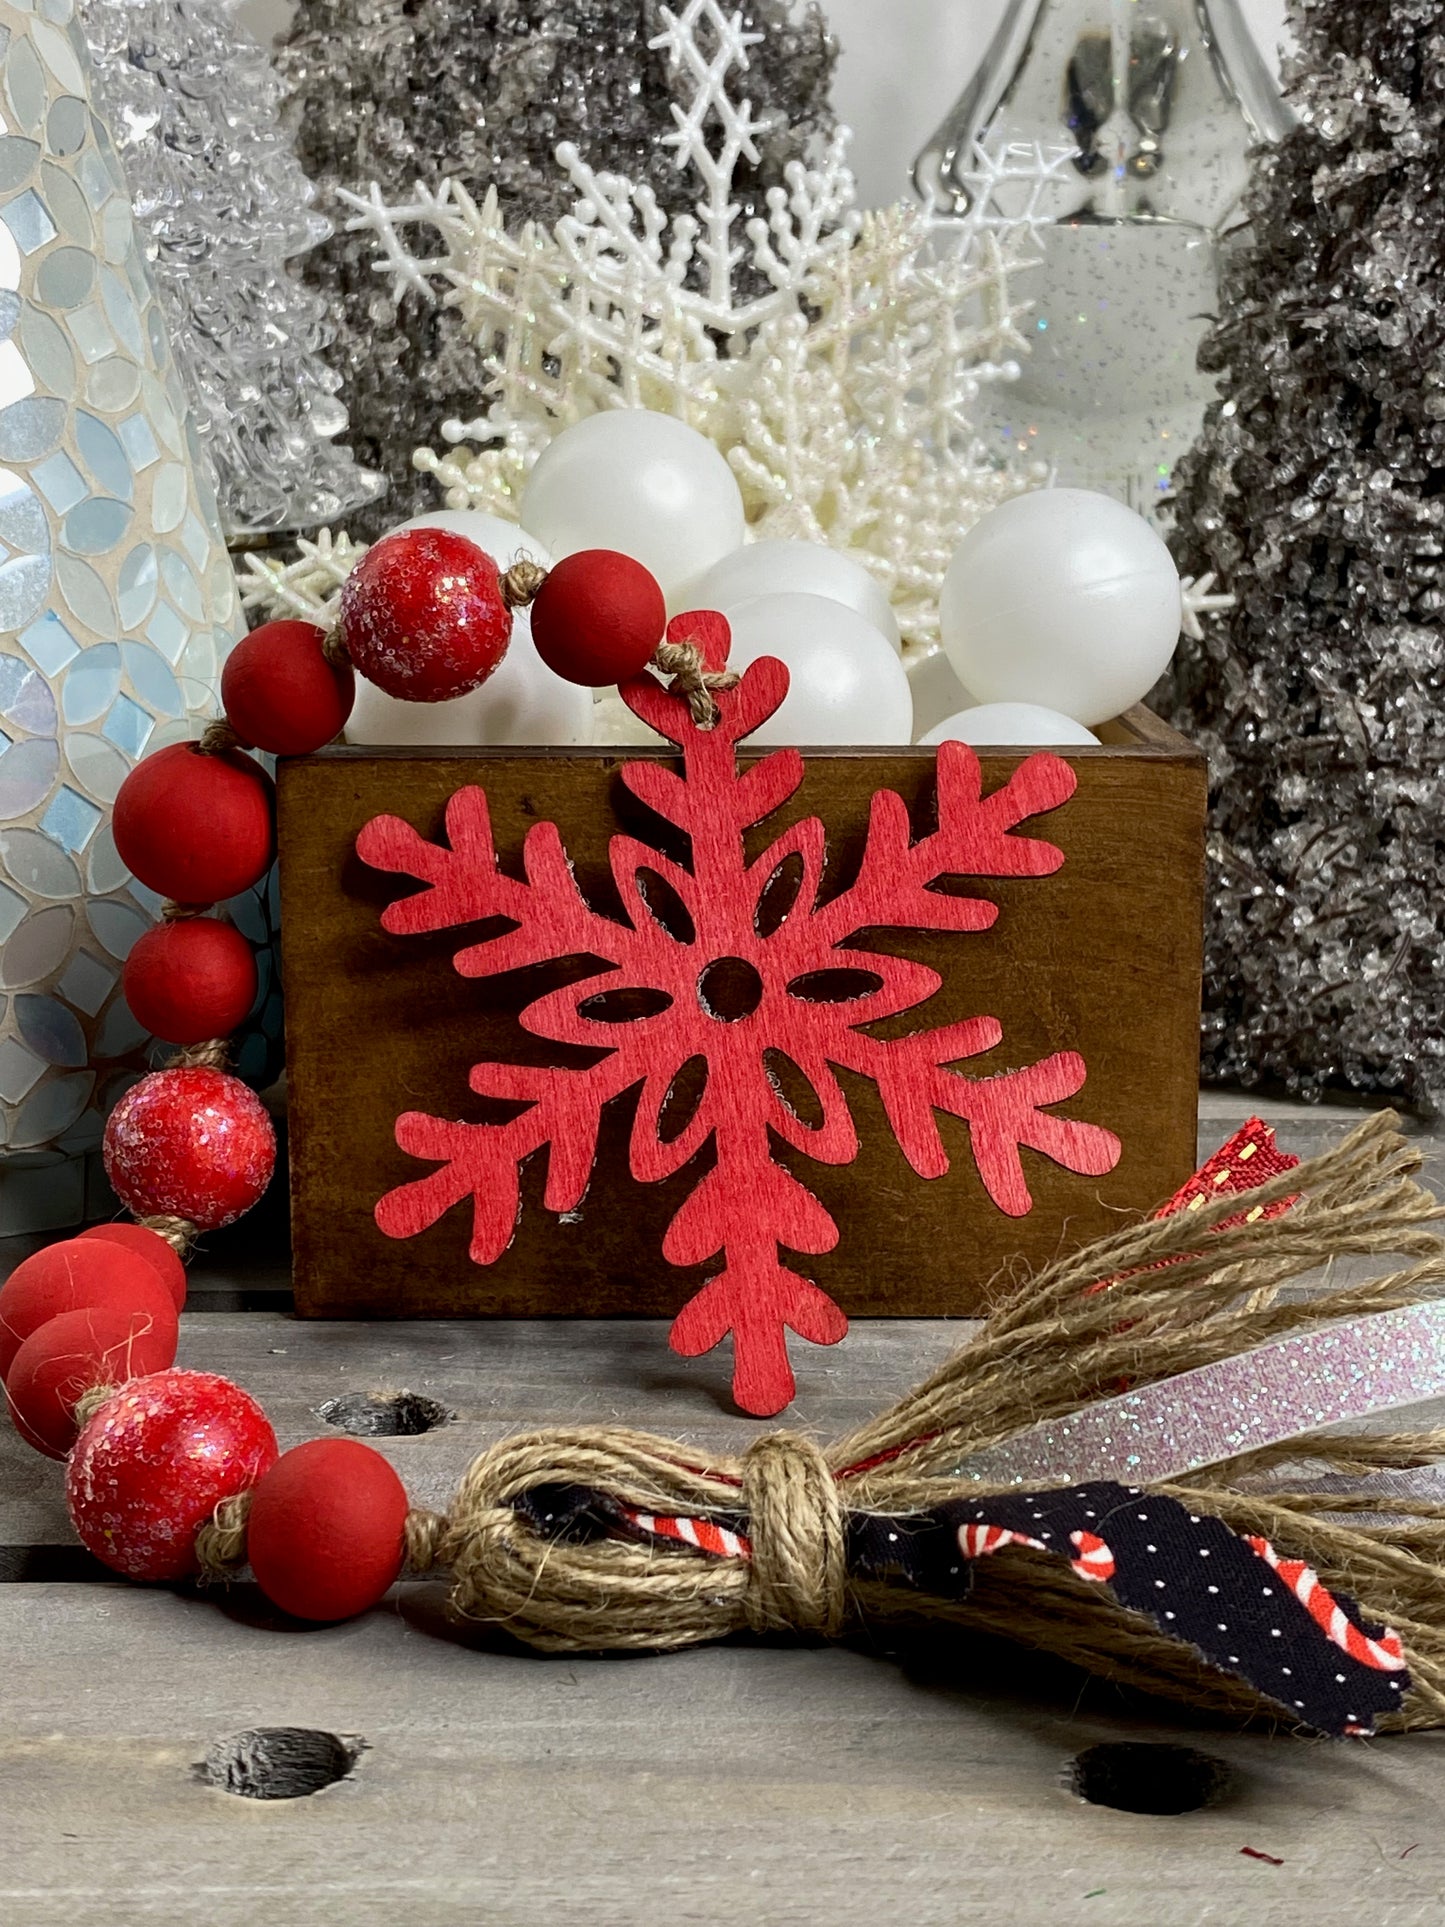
{"type": "Point", "coordinates": [153, 1463]}
{"type": "Point", "coordinates": [151, 1246]}
{"type": "Point", "coordinates": [189, 980]}
{"type": "Point", "coordinates": [194, 827]}
{"type": "Point", "coordinates": [281, 694]}
{"type": "Point", "coordinates": [598, 617]}
{"type": "Point", "coordinates": [325, 1535]}
{"type": "Point", "coordinates": [73, 1354]}
{"type": "Point", "coordinates": [78, 1276]}
{"type": "Point", "coordinates": [191, 1144]}
{"type": "Point", "coordinates": [422, 615]}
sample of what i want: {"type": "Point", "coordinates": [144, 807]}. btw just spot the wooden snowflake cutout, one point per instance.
{"type": "Point", "coordinates": [721, 978]}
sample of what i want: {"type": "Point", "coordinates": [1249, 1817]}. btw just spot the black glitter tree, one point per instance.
{"type": "Point", "coordinates": [483, 91]}
{"type": "Point", "coordinates": [1317, 491]}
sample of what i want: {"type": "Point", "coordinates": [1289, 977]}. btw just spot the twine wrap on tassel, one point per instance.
{"type": "Point", "coordinates": [1183, 1291]}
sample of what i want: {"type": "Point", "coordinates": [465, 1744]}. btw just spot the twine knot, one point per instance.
{"type": "Point", "coordinates": [521, 582]}
{"type": "Point", "coordinates": [221, 1541]}
{"type": "Point", "coordinates": [797, 1579]}
{"type": "Point", "coordinates": [424, 1533]}
{"type": "Point", "coordinates": [179, 1233]}
{"type": "Point", "coordinates": [219, 738]}
{"type": "Point", "coordinates": [692, 679]}
{"type": "Point", "coordinates": [90, 1402]}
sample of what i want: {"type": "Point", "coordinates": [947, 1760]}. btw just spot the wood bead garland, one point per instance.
{"type": "Point", "coordinates": [196, 827]}
{"type": "Point", "coordinates": [598, 618]}
{"type": "Point", "coordinates": [190, 979]}
{"type": "Point", "coordinates": [150, 1246]}
{"type": "Point", "coordinates": [152, 1463]}
{"type": "Point", "coordinates": [192, 1143]}
{"type": "Point", "coordinates": [326, 1532]}
{"type": "Point", "coordinates": [423, 615]}
{"type": "Point", "coordinates": [77, 1276]}
{"type": "Point", "coordinates": [283, 693]}
{"type": "Point", "coordinates": [71, 1355]}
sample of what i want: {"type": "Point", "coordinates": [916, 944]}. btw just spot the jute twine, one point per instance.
{"type": "Point", "coordinates": [692, 679]}
{"type": "Point", "coordinates": [1052, 1346]}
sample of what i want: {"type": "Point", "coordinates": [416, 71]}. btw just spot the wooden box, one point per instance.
{"type": "Point", "coordinates": [1102, 958]}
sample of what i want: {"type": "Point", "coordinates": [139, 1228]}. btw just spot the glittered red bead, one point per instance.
{"type": "Point", "coordinates": [194, 827]}
{"type": "Point", "coordinates": [71, 1355]}
{"type": "Point", "coordinates": [325, 1535]}
{"type": "Point", "coordinates": [422, 615]}
{"type": "Point", "coordinates": [190, 980]}
{"type": "Point", "coordinates": [77, 1275]}
{"type": "Point", "coordinates": [281, 694]}
{"type": "Point", "coordinates": [153, 1463]}
{"type": "Point", "coordinates": [149, 1245]}
{"type": "Point", "coordinates": [191, 1144]}
{"type": "Point", "coordinates": [598, 617]}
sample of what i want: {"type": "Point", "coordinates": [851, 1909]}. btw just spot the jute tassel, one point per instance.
{"type": "Point", "coordinates": [1053, 1346]}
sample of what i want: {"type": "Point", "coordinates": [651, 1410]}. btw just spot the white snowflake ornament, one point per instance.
{"type": "Point", "coordinates": [834, 356]}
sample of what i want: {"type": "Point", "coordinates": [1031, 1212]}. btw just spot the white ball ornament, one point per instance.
{"type": "Point", "coordinates": [503, 541]}
{"type": "Point", "coordinates": [1064, 598]}
{"type": "Point", "coordinates": [781, 567]}
{"type": "Point", "coordinates": [995, 725]}
{"type": "Point", "coordinates": [847, 684]}
{"type": "Point", "coordinates": [642, 483]}
{"type": "Point", "coordinates": [521, 702]}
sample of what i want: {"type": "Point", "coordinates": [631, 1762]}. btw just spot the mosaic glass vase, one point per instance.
{"type": "Point", "coordinates": [1161, 101]}
{"type": "Point", "coordinates": [117, 605]}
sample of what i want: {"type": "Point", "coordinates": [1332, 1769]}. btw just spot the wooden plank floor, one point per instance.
{"type": "Point", "coordinates": [780, 1784]}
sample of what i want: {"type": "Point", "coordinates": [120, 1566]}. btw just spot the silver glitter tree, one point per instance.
{"type": "Point", "coordinates": [1317, 491]}
{"type": "Point", "coordinates": [223, 206]}
{"type": "Point", "coordinates": [398, 92]}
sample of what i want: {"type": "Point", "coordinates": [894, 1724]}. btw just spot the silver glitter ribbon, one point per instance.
{"type": "Point", "coordinates": [1263, 1397]}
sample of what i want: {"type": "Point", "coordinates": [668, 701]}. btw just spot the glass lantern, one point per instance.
{"type": "Point", "coordinates": [1161, 102]}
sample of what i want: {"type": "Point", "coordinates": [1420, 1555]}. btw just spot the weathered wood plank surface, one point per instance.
{"type": "Point", "coordinates": [782, 1785]}
{"type": "Point", "coordinates": [785, 1787]}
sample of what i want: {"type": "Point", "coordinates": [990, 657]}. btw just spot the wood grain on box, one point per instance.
{"type": "Point", "coordinates": [1102, 958]}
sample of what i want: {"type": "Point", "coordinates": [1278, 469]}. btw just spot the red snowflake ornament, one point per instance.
{"type": "Point", "coordinates": [747, 1208]}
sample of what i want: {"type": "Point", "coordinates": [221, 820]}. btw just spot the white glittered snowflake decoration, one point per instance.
{"type": "Point", "coordinates": [834, 356]}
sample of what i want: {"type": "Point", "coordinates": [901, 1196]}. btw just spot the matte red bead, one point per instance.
{"type": "Point", "coordinates": [326, 1532]}
{"type": "Point", "coordinates": [598, 617]}
{"type": "Point", "coordinates": [77, 1275]}
{"type": "Point", "coordinates": [71, 1355]}
{"type": "Point", "coordinates": [422, 615]}
{"type": "Point", "coordinates": [190, 980]}
{"type": "Point", "coordinates": [194, 827]}
{"type": "Point", "coordinates": [151, 1246]}
{"type": "Point", "coordinates": [152, 1464]}
{"type": "Point", "coordinates": [194, 1144]}
{"type": "Point", "coordinates": [281, 694]}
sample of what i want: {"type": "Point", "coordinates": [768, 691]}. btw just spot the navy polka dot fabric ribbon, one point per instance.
{"type": "Point", "coordinates": [1240, 1606]}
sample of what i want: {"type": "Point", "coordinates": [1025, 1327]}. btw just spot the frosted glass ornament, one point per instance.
{"type": "Point", "coordinates": [1160, 105]}
{"type": "Point", "coordinates": [644, 484]}
{"type": "Point", "coordinates": [782, 567]}
{"type": "Point", "coordinates": [107, 536]}
{"type": "Point", "coordinates": [847, 684]}
{"type": "Point", "coordinates": [521, 703]}
{"type": "Point", "coordinates": [1063, 598]}
{"type": "Point", "coordinates": [996, 725]}
{"type": "Point", "coordinates": [504, 541]}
